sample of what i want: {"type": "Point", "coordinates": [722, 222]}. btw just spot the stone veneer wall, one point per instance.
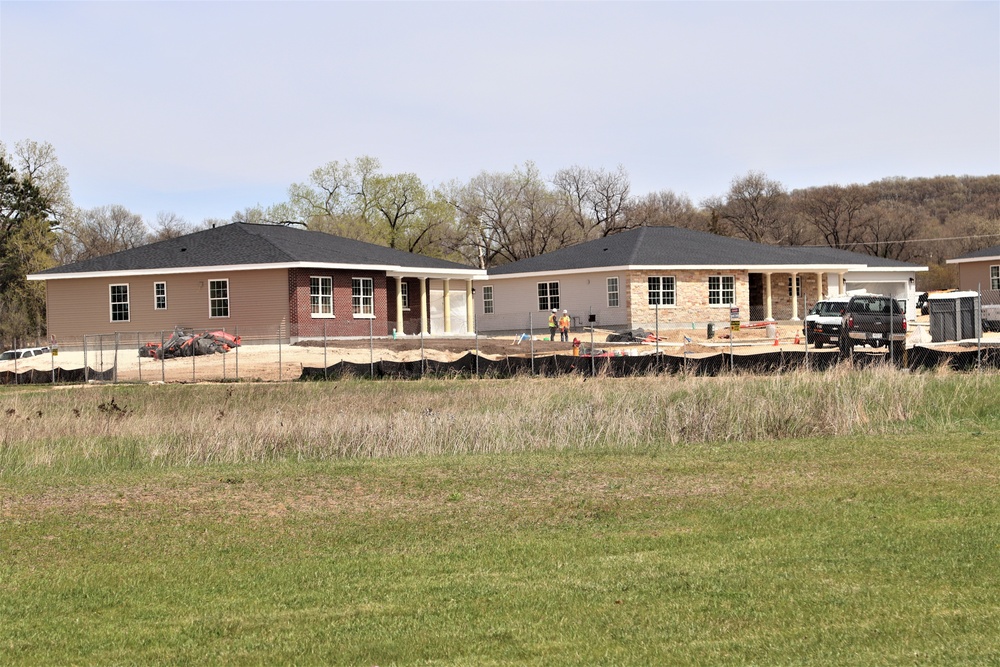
{"type": "Point", "coordinates": [692, 297]}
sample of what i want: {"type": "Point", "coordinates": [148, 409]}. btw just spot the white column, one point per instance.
{"type": "Point", "coordinates": [819, 287]}
{"type": "Point", "coordinates": [470, 309]}
{"type": "Point", "coordinates": [767, 297]}
{"type": "Point", "coordinates": [399, 305]}
{"type": "Point", "coordinates": [423, 306]}
{"type": "Point", "coordinates": [795, 297]}
{"type": "Point", "coordinates": [447, 306]}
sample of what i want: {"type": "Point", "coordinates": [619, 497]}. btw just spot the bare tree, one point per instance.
{"type": "Point", "coordinates": [665, 209]}
{"type": "Point", "coordinates": [103, 230]}
{"type": "Point", "coordinates": [169, 225]}
{"type": "Point", "coordinates": [596, 198]}
{"type": "Point", "coordinates": [835, 212]}
{"type": "Point", "coordinates": [753, 207]}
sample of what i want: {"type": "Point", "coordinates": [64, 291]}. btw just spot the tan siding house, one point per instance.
{"type": "Point", "coordinates": [265, 280]}
{"type": "Point", "coordinates": [980, 270]}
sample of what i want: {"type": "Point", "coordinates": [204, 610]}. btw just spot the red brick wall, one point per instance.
{"type": "Point", "coordinates": [343, 323]}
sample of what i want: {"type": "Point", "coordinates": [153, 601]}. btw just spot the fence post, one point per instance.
{"type": "Point", "coordinates": [114, 370]}
{"type": "Point", "coordinates": [236, 332]}
{"type": "Point", "coordinates": [163, 366]}
{"type": "Point", "coordinates": [138, 346]}
{"type": "Point", "coordinates": [15, 362]}
{"type": "Point", "coordinates": [86, 368]}
{"type": "Point", "coordinates": [279, 353]}
{"type": "Point", "coordinates": [194, 377]}
{"type": "Point", "coordinates": [371, 347]}
{"type": "Point", "coordinates": [325, 365]}
{"type": "Point", "coordinates": [531, 339]}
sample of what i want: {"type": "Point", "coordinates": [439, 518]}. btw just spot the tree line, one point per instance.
{"type": "Point", "coordinates": [498, 217]}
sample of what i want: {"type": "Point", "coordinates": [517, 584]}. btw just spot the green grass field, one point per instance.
{"type": "Point", "coordinates": [845, 519]}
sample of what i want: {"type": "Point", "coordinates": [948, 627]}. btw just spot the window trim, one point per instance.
{"type": "Point", "coordinates": [721, 291]}
{"type": "Point", "coordinates": [156, 297]}
{"type": "Point", "coordinates": [225, 299]}
{"type": "Point", "coordinates": [489, 307]}
{"type": "Point", "coordinates": [662, 291]}
{"type": "Point", "coordinates": [995, 277]}
{"type": "Point", "coordinates": [371, 298]}
{"type": "Point", "coordinates": [616, 292]}
{"type": "Point", "coordinates": [548, 301]}
{"type": "Point", "coordinates": [127, 303]}
{"type": "Point", "coordinates": [404, 292]}
{"type": "Point", "coordinates": [321, 314]}
{"type": "Point", "coordinates": [798, 286]}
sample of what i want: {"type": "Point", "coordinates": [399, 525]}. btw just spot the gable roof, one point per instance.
{"type": "Point", "coordinates": [242, 246]}
{"type": "Point", "coordinates": [984, 254]}
{"type": "Point", "coordinates": [687, 248]}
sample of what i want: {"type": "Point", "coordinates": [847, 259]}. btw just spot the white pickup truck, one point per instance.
{"type": "Point", "coordinates": [991, 318]}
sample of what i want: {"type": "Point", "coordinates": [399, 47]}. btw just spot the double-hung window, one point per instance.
{"type": "Point", "coordinates": [995, 277]}
{"type": "Point", "coordinates": [488, 299]}
{"type": "Point", "coordinates": [321, 296]}
{"type": "Point", "coordinates": [661, 291]}
{"type": "Point", "coordinates": [548, 296]}
{"type": "Point", "coordinates": [798, 286]}
{"type": "Point", "coordinates": [218, 298]}
{"type": "Point", "coordinates": [721, 290]}
{"type": "Point", "coordinates": [363, 297]}
{"type": "Point", "coordinates": [119, 303]}
{"type": "Point", "coordinates": [613, 292]}
{"type": "Point", "coordinates": [404, 293]}
{"type": "Point", "coordinates": [159, 296]}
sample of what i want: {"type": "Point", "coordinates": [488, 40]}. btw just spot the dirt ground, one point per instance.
{"type": "Point", "coordinates": [274, 363]}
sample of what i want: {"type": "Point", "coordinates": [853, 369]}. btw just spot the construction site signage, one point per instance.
{"type": "Point", "coordinates": [734, 319]}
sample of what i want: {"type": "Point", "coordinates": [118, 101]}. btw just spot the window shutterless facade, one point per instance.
{"type": "Point", "coordinates": [613, 292]}
{"type": "Point", "coordinates": [218, 298]}
{"type": "Point", "coordinates": [119, 303]}
{"type": "Point", "coordinates": [548, 296]}
{"type": "Point", "coordinates": [363, 297]}
{"type": "Point", "coordinates": [721, 290]}
{"type": "Point", "coordinates": [159, 296]}
{"type": "Point", "coordinates": [798, 286]}
{"type": "Point", "coordinates": [321, 296]}
{"type": "Point", "coordinates": [661, 291]}
{"type": "Point", "coordinates": [488, 299]}
{"type": "Point", "coordinates": [995, 277]}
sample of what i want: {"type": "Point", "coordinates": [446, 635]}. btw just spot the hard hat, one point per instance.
{"type": "Point", "coordinates": [554, 310]}
{"type": "Point", "coordinates": [565, 311]}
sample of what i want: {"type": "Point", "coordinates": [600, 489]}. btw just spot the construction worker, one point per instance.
{"type": "Point", "coordinates": [553, 324]}
{"type": "Point", "coordinates": [564, 325]}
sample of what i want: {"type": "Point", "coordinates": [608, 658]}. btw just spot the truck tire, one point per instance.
{"type": "Point", "coordinates": [845, 347]}
{"type": "Point", "coordinates": [818, 343]}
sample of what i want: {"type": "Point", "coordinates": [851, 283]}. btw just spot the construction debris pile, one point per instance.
{"type": "Point", "coordinates": [632, 336]}
{"type": "Point", "coordinates": [181, 344]}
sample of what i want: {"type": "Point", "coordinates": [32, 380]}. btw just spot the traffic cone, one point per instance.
{"type": "Point", "coordinates": [796, 338]}
{"type": "Point", "coordinates": [775, 341]}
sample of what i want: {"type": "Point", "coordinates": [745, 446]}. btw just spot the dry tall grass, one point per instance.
{"type": "Point", "coordinates": [136, 426]}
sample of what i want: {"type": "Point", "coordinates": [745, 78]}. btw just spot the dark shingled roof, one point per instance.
{"type": "Point", "coordinates": [675, 246]}
{"type": "Point", "coordinates": [249, 244]}
{"type": "Point", "coordinates": [984, 253]}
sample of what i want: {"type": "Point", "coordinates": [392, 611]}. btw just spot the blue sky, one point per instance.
{"type": "Point", "coordinates": [205, 108]}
